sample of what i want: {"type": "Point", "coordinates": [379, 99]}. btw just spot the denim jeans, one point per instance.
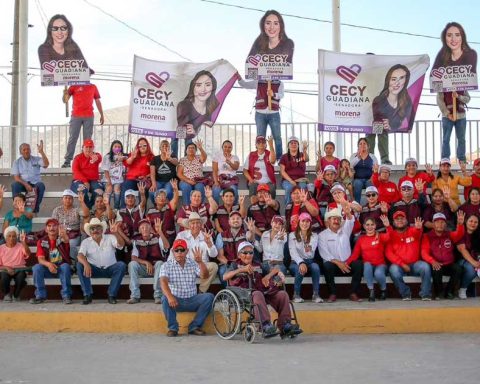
{"type": "Point", "coordinates": [137, 270]}
{"type": "Point", "coordinates": [94, 186]}
{"type": "Point", "coordinates": [115, 272]}
{"type": "Point", "coordinates": [377, 272]}
{"type": "Point", "coordinates": [262, 120]}
{"type": "Point", "coordinates": [358, 185]}
{"type": "Point", "coordinates": [174, 146]}
{"type": "Point", "coordinates": [64, 273]}
{"type": "Point", "coordinates": [162, 185]}
{"type": "Point", "coordinates": [288, 189]}
{"type": "Point", "coordinates": [469, 273]}
{"type": "Point", "coordinates": [222, 268]}
{"type": "Point", "coordinates": [187, 189]}
{"type": "Point", "coordinates": [420, 268]}
{"type": "Point", "coordinates": [460, 127]}
{"type": "Point", "coordinates": [19, 188]}
{"type": "Point", "coordinates": [200, 303]}
{"type": "Point", "coordinates": [313, 269]}
{"type": "Point", "coordinates": [267, 267]}
{"type": "Point", "coordinates": [218, 190]}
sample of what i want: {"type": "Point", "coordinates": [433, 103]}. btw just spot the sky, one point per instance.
{"type": "Point", "coordinates": [203, 31]}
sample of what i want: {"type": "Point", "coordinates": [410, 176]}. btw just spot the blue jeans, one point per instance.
{"type": "Point", "coordinates": [200, 303]}
{"type": "Point", "coordinates": [19, 188]}
{"type": "Point", "coordinates": [377, 272]}
{"type": "Point", "coordinates": [64, 273]}
{"type": "Point", "coordinates": [187, 189]}
{"type": "Point", "coordinates": [313, 268]}
{"type": "Point", "coordinates": [460, 128]}
{"type": "Point", "coordinates": [262, 120]}
{"type": "Point", "coordinates": [358, 185]}
{"type": "Point", "coordinates": [137, 270]}
{"type": "Point", "coordinates": [174, 146]}
{"type": "Point", "coordinates": [162, 185]}
{"type": "Point", "coordinates": [217, 194]}
{"type": "Point", "coordinates": [420, 268]}
{"type": "Point", "coordinates": [267, 267]}
{"type": "Point", "coordinates": [288, 189]}
{"type": "Point", "coordinates": [115, 272]}
{"type": "Point", "coordinates": [94, 186]}
{"type": "Point", "coordinates": [468, 274]}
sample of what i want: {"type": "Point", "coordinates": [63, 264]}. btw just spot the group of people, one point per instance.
{"type": "Point", "coordinates": [131, 220]}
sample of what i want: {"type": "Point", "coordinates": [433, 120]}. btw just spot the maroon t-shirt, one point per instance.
{"type": "Point", "coordinates": [470, 209]}
{"type": "Point", "coordinates": [294, 166]}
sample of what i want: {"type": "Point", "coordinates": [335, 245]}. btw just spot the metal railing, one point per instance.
{"type": "Point", "coordinates": [423, 143]}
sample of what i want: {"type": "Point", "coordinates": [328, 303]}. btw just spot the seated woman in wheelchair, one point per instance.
{"type": "Point", "coordinates": [245, 273]}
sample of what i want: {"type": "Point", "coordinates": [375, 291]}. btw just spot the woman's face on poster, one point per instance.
{"type": "Point", "coordinates": [59, 31]}
{"type": "Point", "coordinates": [397, 81]}
{"type": "Point", "coordinates": [203, 88]}
{"type": "Point", "coordinates": [272, 26]}
{"type": "Point", "coordinates": [453, 38]}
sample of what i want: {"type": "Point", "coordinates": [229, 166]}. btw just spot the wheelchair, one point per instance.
{"type": "Point", "coordinates": [234, 313]}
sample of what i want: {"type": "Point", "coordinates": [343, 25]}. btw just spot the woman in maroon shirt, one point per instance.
{"type": "Point", "coordinates": [472, 205]}
{"type": "Point", "coordinates": [293, 166]}
{"type": "Point", "coordinates": [469, 248]}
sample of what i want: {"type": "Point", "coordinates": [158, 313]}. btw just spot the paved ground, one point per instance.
{"type": "Point", "coordinates": [100, 358]}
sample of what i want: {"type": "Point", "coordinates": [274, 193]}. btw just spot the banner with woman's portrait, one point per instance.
{"type": "Point", "coordinates": [177, 99]}
{"type": "Point", "coordinates": [369, 93]}
{"type": "Point", "coordinates": [447, 76]}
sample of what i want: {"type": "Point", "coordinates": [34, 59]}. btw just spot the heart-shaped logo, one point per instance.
{"type": "Point", "coordinates": [49, 66]}
{"type": "Point", "coordinates": [254, 59]}
{"type": "Point", "coordinates": [349, 74]}
{"type": "Point", "coordinates": [157, 80]}
{"type": "Point", "coordinates": [438, 72]}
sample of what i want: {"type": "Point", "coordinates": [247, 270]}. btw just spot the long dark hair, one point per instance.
{"type": "Point", "coordinates": [298, 230]}
{"type": "Point", "coordinates": [404, 99]}
{"type": "Point", "coordinates": [469, 192]}
{"type": "Point", "coordinates": [69, 44]}
{"type": "Point", "coordinates": [111, 154]}
{"type": "Point", "coordinates": [212, 102]}
{"type": "Point", "coordinates": [446, 52]}
{"type": "Point", "coordinates": [262, 39]}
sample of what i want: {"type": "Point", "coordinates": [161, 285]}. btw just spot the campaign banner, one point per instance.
{"type": "Point", "coordinates": [64, 72]}
{"type": "Point", "coordinates": [269, 66]}
{"type": "Point", "coordinates": [175, 99]}
{"type": "Point", "coordinates": [459, 77]}
{"type": "Point", "coordinates": [369, 93]}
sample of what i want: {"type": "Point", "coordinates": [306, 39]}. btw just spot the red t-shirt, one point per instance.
{"type": "Point", "coordinates": [404, 247]}
{"type": "Point", "coordinates": [84, 170]}
{"type": "Point", "coordinates": [475, 183]}
{"type": "Point", "coordinates": [140, 167]}
{"type": "Point", "coordinates": [83, 96]}
{"type": "Point", "coordinates": [371, 248]}
{"type": "Point", "coordinates": [387, 190]}
{"type": "Point", "coordinates": [425, 177]}
{"type": "Point", "coordinates": [324, 162]}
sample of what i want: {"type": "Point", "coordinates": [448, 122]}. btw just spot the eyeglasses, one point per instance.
{"type": "Point", "coordinates": [62, 28]}
{"type": "Point", "coordinates": [406, 189]}
{"type": "Point", "coordinates": [96, 228]}
{"type": "Point", "coordinates": [371, 194]}
{"type": "Point", "coordinates": [247, 252]}
{"type": "Point", "coordinates": [179, 250]}
{"type": "Point", "coordinates": [143, 146]}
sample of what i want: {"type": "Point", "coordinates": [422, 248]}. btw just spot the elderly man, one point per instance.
{"type": "Point", "coordinates": [403, 251]}
{"type": "Point", "coordinates": [196, 237]}
{"type": "Point", "coordinates": [26, 172]}
{"type": "Point", "coordinates": [263, 210]}
{"type": "Point", "coordinates": [408, 204]}
{"type": "Point", "coordinates": [53, 253]}
{"type": "Point", "coordinates": [245, 273]}
{"type": "Point", "coordinates": [178, 278]}
{"type": "Point", "coordinates": [96, 258]}
{"type": "Point", "coordinates": [334, 247]}
{"type": "Point", "coordinates": [148, 254]}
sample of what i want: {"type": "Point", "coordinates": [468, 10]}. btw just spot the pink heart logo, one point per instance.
{"type": "Point", "coordinates": [349, 74]}
{"type": "Point", "coordinates": [438, 72]}
{"type": "Point", "coordinates": [157, 80]}
{"type": "Point", "coordinates": [49, 66]}
{"type": "Point", "coordinates": [254, 59]}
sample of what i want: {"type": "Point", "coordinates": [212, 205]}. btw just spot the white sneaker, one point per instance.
{"type": "Point", "coordinates": [462, 293]}
{"type": "Point", "coordinates": [317, 299]}
{"type": "Point", "coordinates": [297, 299]}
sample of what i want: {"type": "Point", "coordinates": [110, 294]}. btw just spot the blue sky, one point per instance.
{"type": "Point", "coordinates": [203, 32]}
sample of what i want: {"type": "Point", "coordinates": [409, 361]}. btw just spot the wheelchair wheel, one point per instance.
{"type": "Point", "coordinates": [249, 333]}
{"type": "Point", "coordinates": [227, 314]}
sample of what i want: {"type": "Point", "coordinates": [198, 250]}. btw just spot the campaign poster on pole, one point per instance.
{"type": "Point", "coordinates": [175, 99]}
{"type": "Point", "coordinates": [369, 93]}
{"type": "Point", "coordinates": [448, 76]}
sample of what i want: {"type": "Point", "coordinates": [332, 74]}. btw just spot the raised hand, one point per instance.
{"type": "Point", "coordinates": [197, 254]}
{"type": "Point", "coordinates": [174, 184]}
{"type": "Point", "coordinates": [463, 166]}
{"type": "Point", "coordinates": [23, 236]}
{"type": "Point", "coordinates": [208, 236]}
{"type": "Point", "coordinates": [40, 147]}
{"type": "Point", "coordinates": [62, 231]}
{"type": "Point", "coordinates": [320, 175]}
{"type": "Point", "coordinates": [94, 157]}
{"type": "Point", "coordinates": [199, 143]}
{"type": "Point", "coordinates": [385, 221]}
{"type": "Point", "coordinates": [141, 187]}
{"type": "Point", "coordinates": [418, 223]}
{"type": "Point", "coordinates": [250, 224]}
{"type": "Point", "coordinates": [114, 226]}
{"type": "Point", "coordinates": [81, 197]}
{"type": "Point", "coordinates": [419, 184]}
{"type": "Point", "coordinates": [268, 199]}
{"type": "Point", "coordinates": [158, 225]}
{"type": "Point", "coordinates": [303, 195]}
{"type": "Point", "coordinates": [2, 191]}
{"type": "Point", "coordinates": [384, 207]}
{"type": "Point", "coordinates": [428, 168]}
{"type": "Point", "coordinates": [281, 233]}
{"type": "Point", "coordinates": [460, 217]}
{"type": "Point", "coordinates": [446, 192]}
{"type": "Point", "coordinates": [208, 192]}
{"type": "Point", "coordinates": [270, 141]}
{"type": "Point", "coordinates": [241, 199]}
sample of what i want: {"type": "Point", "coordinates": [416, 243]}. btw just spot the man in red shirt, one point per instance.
{"type": "Point", "coordinates": [82, 115]}
{"type": "Point", "coordinates": [403, 251]}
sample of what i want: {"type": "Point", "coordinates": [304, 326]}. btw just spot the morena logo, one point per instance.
{"type": "Point", "coordinates": [157, 80]}
{"type": "Point", "coordinates": [349, 74]}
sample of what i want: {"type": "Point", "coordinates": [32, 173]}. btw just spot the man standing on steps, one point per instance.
{"type": "Point", "coordinates": [82, 115]}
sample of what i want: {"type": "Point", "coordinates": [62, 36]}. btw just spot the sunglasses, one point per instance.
{"type": "Point", "coordinates": [143, 146]}
{"type": "Point", "coordinates": [371, 194]}
{"type": "Point", "coordinates": [247, 252]}
{"type": "Point", "coordinates": [96, 228]}
{"type": "Point", "coordinates": [179, 250]}
{"type": "Point", "coordinates": [406, 189]}
{"type": "Point", "coordinates": [62, 28]}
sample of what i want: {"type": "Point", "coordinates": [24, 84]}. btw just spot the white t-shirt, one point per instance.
{"type": "Point", "coordinates": [116, 170]}
{"type": "Point", "coordinates": [260, 173]}
{"type": "Point", "coordinates": [223, 167]}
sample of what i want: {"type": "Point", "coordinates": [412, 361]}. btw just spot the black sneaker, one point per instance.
{"type": "Point", "coordinates": [66, 164]}
{"type": "Point", "coordinates": [36, 300]}
{"type": "Point", "coordinates": [387, 162]}
{"type": "Point", "coordinates": [269, 330]}
{"type": "Point", "coordinates": [371, 297]}
{"type": "Point", "coordinates": [290, 330]}
{"type": "Point", "coordinates": [87, 299]}
{"type": "Point", "coordinates": [112, 300]}
{"type": "Point", "coordinates": [67, 300]}
{"type": "Point", "coordinates": [383, 295]}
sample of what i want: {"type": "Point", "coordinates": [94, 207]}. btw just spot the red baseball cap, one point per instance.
{"type": "Point", "coordinates": [51, 221]}
{"type": "Point", "coordinates": [88, 143]}
{"type": "Point", "coordinates": [263, 187]}
{"type": "Point", "coordinates": [179, 243]}
{"type": "Point", "coordinates": [398, 214]}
